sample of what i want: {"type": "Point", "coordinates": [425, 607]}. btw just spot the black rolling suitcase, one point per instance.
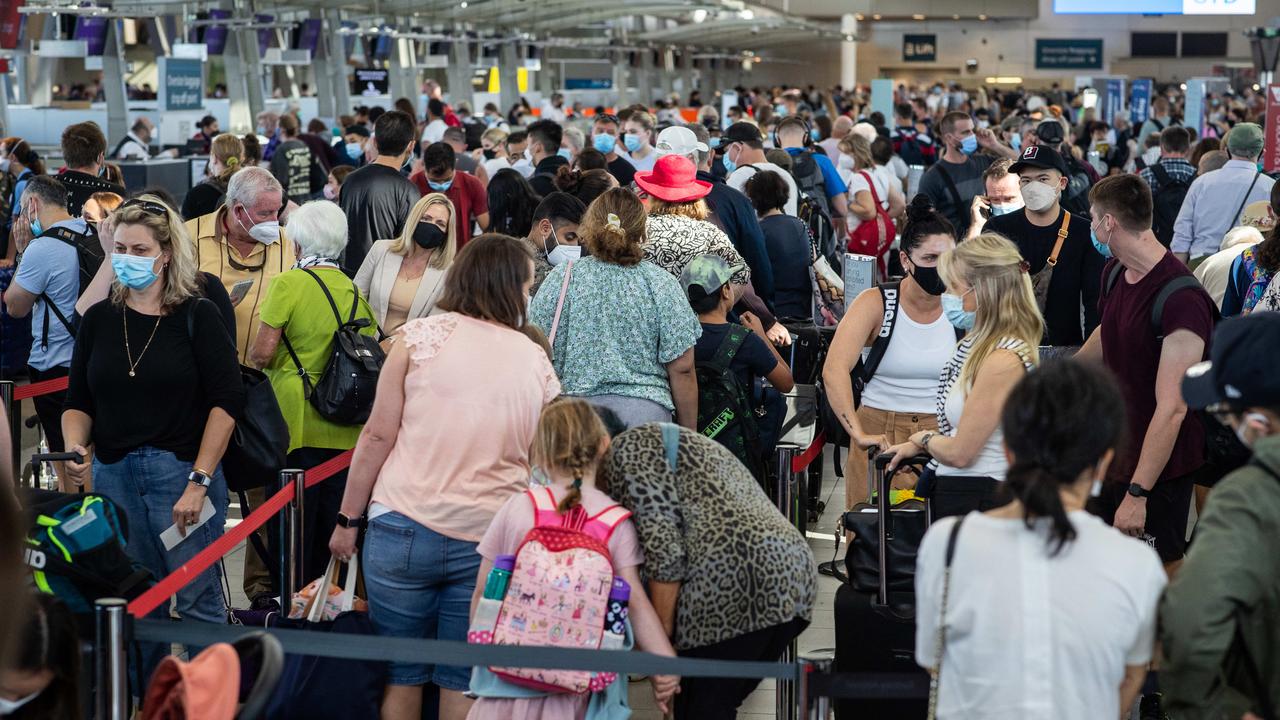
{"type": "Point", "coordinates": [876, 629]}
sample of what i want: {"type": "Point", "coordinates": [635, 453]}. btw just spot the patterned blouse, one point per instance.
{"type": "Point", "coordinates": [675, 240]}
{"type": "Point", "coordinates": [710, 527]}
{"type": "Point", "coordinates": [619, 328]}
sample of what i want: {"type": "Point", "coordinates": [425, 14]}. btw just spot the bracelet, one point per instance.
{"type": "Point", "coordinates": [202, 472]}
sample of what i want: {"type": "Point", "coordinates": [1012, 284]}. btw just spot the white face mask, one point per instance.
{"type": "Point", "coordinates": [1244, 424]}
{"type": "Point", "coordinates": [9, 707]}
{"type": "Point", "coordinates": [1038, 196]}
{"type": "Point", "coordinates": [846, 162]}
{"type": "Point", "coordinates": [4, 165]}
{"type": "Point", "coordinates": [267, 233]}
{"type": "Point", "coordinates": [564, 253]}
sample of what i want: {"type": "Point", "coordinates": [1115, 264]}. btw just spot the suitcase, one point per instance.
{"type": "Point", "coordinates": [876, 633]}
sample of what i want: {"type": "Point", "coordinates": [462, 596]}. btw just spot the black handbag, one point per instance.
{"type": "Point", "coordinates": [344, 393]}
{"type": "Point", "coordinates": [259, 444]}
{"type": "Point", "coordinates": [884, 563]}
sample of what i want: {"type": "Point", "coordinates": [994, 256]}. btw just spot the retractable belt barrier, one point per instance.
{"type": "Point", "coordinates": [165, 589]}
{"type": "Point", "coordinates": [44, 387]}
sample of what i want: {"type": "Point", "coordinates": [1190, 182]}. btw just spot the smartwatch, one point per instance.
{"type": "Point", "coordinates": [350, 522]}
{"type": "Point", "coordinates": [1137, 490]}
{"type": "Point", "coordinates": [199, 477]}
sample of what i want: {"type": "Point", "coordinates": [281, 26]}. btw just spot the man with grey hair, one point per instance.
{"type": "Point", "coordinates": [574, 140]}
{"type": "Point", "coordinates": [730, 209]}
{"type": "Point", "coordinates": [1215, 202]}
{"type": "Point", "coordinates": [456, 138]}
{"type": "Point", "coordinates": [137, 144]}
{"type": "Point", "coordinates": [242, 244]}
{"type": "Point", "coordinates": [841, 127]}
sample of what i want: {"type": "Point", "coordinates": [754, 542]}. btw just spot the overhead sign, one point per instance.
{"type": "Point", "coordinates": [1113, 100]}
{"type": "Point", "coordinates": [10, 24]}
{"type": "Point", "coordinates": [1068, 54]}
{"type": "Point", "coordinates": [371, 82]}
{"type": "Point", "coordinates": [1271, 148]}
{"type": "Point", "coordinates": [1140, 101]}
{"type": "Point", "coordinates": [920, 48]}
{"type": "Point", "coordinates": [93, 30]}
{"type": "Point", "coordinates": [181, 84]}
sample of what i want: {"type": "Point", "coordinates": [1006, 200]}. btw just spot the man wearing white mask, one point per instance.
{"type": "Point", "coordinates": [1065, 268]}
{"type": "Point", "coordinates": [554, 234]}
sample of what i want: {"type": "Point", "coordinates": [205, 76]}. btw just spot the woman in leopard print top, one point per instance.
{"type": "Point", "coordinates": [729, 576]}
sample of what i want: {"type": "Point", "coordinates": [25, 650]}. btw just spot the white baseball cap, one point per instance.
{"type": "Point", "coordinates": [678, 140]}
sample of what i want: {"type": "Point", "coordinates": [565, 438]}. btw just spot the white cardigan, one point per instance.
{"type": "Point", "coordinates": [377, 275]}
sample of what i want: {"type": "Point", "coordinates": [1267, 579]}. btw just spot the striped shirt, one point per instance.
{"type": "Point", "coordinates": [990, 460]}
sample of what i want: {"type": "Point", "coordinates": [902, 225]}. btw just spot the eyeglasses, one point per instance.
{"type": "Point", "coordinates": [607, 118]}
{"type": "Point", "coordinates": [148, 207]}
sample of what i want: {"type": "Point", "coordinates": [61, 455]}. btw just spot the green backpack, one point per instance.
{"type": "Point", "coordinates": [724, 406]}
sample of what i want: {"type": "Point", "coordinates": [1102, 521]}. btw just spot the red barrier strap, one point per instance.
{"type": "Point", "coordinates": [804, 459]}
{"type": "Point", "coordinates": [41, 388]}
{"type": "Point", "coordinates": [166, 588]}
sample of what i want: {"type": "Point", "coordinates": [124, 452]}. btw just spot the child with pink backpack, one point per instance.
{"type": "Point", "coordinates": [566, 555]}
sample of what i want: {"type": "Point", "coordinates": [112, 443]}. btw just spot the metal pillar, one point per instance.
{"type": "Point", "coordinates": [621, 78]}
{"type": "Point", "coordinates": [323, 79]}
{"type": "Point", "coordinates": [809, 707]}
{"type": "Point", "coordinates": [459, 74]}
{"type": "Point", "coordinates": [848, 51]}
{"type": "Point", "coordinates": [290, 539]}
{"type": "Point", "coordinates": [336, 64]}
{"type": "Point", "coordinates": [686, 75]}
{"type": "Point", "coordinates": [547, 84]}
{"type": "Point", "coordinates": [113, 71]}
{"type": "Point", "coordinates": [785, 495]}
{"type": "Point", "coordinates": [42, 88]}
{"type": "Point", "coordinates": [241, 112]}
{"type": "Point", "coordinates": [111, 670]}
{"type": "Point", "coordinates": [509, 64]}
{"type": "Point", "coordinates": [250, 67]}
{"type": "Point", "coordinates": [644, 78]}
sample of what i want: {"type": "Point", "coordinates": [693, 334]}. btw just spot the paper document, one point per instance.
{"type": "Point", "coordinates": [171, 537]}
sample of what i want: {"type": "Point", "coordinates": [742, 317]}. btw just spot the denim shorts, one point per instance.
{"type": "Point", "coordinates": [420, 585]}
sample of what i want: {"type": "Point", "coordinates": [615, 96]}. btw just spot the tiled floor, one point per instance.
{"type": "Point", "coordinates": [762, 703]}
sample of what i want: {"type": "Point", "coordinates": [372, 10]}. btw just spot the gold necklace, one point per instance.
{"type": "Point", "coordinates": [129, 355]}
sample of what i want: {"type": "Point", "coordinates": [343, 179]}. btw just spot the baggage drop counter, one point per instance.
{"type": "Point", "coordinates": [173, 175]}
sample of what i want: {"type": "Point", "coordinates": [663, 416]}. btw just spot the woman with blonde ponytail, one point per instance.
{"type": "Point", "coordinates": [225, 159]}
{"type": "Point", "coordinates": [568, 448]}
{"type": "Point", "coordinates": [989, 296]}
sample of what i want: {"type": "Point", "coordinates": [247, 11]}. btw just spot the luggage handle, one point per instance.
{"type": "Point", "coordinates": [880, 461]}
{"type": "Point", "coordinates": [57, 457]}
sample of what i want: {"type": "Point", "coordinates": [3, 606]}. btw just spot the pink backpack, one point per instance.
{"type": "Point", "coordinates": [558, 591]}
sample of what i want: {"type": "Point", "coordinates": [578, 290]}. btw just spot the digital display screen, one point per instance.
{"type": "Point", "coordinates": [1156, 7]}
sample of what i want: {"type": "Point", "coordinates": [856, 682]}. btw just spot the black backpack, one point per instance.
{"type": "Point", "coordinates": [89, 257]}
{"type": "Point", "coordinates": [1075, 199]}
{"type": "Point", "coordinates": [724, 406]}
{"type": "Point", "coordinates": [1223, 451]}
{"type": "Point", "coordinates": [1167, 203]}
{"type": "Point", "coordinates": [344, 393]}
{"type": "Point", "coordinates": [809, 179]}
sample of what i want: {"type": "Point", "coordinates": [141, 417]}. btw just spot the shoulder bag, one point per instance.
{"type": "Point", "coordinates": [1040, 281]}
{"type": "Point", "coordinates": [555, 321]}
{"type": "Point", "coordinates": [344, 393]}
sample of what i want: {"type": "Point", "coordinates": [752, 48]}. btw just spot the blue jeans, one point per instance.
{"type": "Point", "coordinates": [420, 585]}
{"type": "Point", "coordinates": [145, 485]}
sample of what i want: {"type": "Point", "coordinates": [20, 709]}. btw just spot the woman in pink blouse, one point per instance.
{"type": "Point", "coordinates": [447, 444]}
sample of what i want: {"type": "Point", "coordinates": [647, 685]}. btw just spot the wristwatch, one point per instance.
{"type": "Point", "coordinates": [924, 439]}
{"type": "Point", "coordinates": [1137, 490]}
{"type": "Point", "coordinates": [350, 522]}
{"type": "Point", "coordinates": [199, 477]}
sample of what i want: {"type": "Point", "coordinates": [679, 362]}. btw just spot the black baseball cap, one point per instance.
{"type": "Point", "coordinates": [742, 132]}
{"type": "Point", "coordinates": [1240, 371]}
{"type": "Point", "coordinates": [1039, 156]}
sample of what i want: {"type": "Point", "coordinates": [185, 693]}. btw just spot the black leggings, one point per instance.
{"type": "Point", "coordinates": [962, 494]}
{"type": "Point", "coordinates": [719, 698]}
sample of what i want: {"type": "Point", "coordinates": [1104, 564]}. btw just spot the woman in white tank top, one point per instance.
{"type": "Point", "coordinates": [989, 296]}
{"type": "Point", "coordinates": [899, 398]}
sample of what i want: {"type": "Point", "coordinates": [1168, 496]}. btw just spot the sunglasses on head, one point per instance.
{"type": "Point", "coordinates": [148, 207]}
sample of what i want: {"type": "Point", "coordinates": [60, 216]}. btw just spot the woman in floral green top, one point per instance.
{"type": "Point", "coordinates": [625, 333]}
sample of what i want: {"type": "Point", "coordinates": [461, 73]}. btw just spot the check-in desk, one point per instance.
{"type": "Point", "coordinates": [172, 174]}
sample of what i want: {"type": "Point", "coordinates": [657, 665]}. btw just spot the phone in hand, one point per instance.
{"type": "Point", "coordinates": [239, 290]}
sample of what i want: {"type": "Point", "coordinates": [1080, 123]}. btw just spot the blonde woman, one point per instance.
{"type": "Point", "coordinates": [493, 151]}
{"type": "Point", "coordinates": [404, 277]}
{"type": "Point", "coordinates": [989, 296]}
{"type": "Point", "coordinates": [225, 155]}
{"type": "Point", "coordinates": [154, 396]}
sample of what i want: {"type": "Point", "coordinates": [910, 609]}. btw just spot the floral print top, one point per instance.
{"type": "Point", "coordinates": [619, 327]}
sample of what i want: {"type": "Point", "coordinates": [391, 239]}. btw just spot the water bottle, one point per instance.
{"type": "Point", "coordinates": [495, 588]}
{"type": "Point", "coordinates": [615, 616]}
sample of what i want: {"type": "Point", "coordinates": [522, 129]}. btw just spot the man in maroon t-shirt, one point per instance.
{"type": "Point", "coordinates": [468, 195]}
{"type": "Point", "coordinates": [1165, 442]}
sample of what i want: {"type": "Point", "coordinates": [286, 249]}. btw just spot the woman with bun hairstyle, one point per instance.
{"type": "Point", "coordinates": [621, 329]}
{"type": "Point", "coordinates": [988, 295]}
{"type": "Point", "coordinates": [586, 185]}
{"type": "Point", "coordinates": [899, 399]}
{"type": "Point", "coordinates": [1041, 583]}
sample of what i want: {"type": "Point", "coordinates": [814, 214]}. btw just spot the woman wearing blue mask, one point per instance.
{"type": "Point", "coordinates": [638, 139]}
{"type": "Point", "coordinates": [989, 296]}
{"type": "Point", "coordinates": [154, 395]}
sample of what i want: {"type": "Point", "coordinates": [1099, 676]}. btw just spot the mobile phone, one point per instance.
{"type": "Point", "coordinates": [239, 290]}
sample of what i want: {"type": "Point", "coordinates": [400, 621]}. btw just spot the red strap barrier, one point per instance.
{"type": "Point", "coordinates": [41, 388]}
{"type": "Point", "coordinates": [804, 459]}
{"type": "Point", "coordinates": [166, 588]}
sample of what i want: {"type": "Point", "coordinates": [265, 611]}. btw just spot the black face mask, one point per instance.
{"type": "Point", "coordinates": [490, 154]}
{"type": "Point", "coordinates": [929, 280]}
{"type": "Point", "coordinates": [428, 236]}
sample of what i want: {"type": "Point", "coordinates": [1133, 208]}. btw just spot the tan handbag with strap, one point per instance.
{"type": "Point", "coordinates": [1040, 281]}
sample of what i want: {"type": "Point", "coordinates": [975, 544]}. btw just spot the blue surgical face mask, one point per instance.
{"type": "Point", "coordinates": [565, 153]}
{"type": "Point", "coordinates": [780, 110]}
{"type": "Point", "coordinates": [953, 308]}
{"type": "Point", "coordinates": [969, 145]}
{"type": "Point", "coordinates": [1015, 142]}
{"type": "Point", "coordinates": [36, 228]}
{"type": "Point", "coordinates": [1103, 249]}
{"type": "Point", "coordinates": [813, 133]}
{"type": "Point", "coordinates": [355, 151]}
{"type": "Point", "coordinates": [440, 186]}
{"type": "Point", "coordinates": [604, 142]}
{"type": "Point", "coordinates": [715, 143]}
{"type": "Point", "coordinates": [998, 210]}
{"type": "Point", "coordinates": [632, 142]}
{"type": "Point", "coordinates": [135, 272]}
{"type": "Point", "coordinates": [729, 165]}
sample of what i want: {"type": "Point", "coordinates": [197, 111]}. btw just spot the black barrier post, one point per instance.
{"type": "Point", "coordinates": [288, 538]}
{"type": "Point", "coordinates": [785, 492]}
{"type": "Point", "coordinates": [813, 706]}
{"type": "Point", "coordinates": [109, 665]}
{"type": "Point", "coordinates": [13, 411]}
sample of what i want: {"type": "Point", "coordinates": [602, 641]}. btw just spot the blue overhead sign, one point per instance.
{"type": "Point", "coordinates": [181, 84]}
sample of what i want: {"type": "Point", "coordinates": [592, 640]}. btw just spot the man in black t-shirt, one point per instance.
{"type": "Point", "coordinates": [84, 150]}
{"type": "Point", "coordinates": [605, 137]}
{"type": "Point", "coordinates": [377, 198]}
{"type": "Point", "coordinates": [956, 178]}
{"type": "Point", "coordinates": [1077, 276]}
